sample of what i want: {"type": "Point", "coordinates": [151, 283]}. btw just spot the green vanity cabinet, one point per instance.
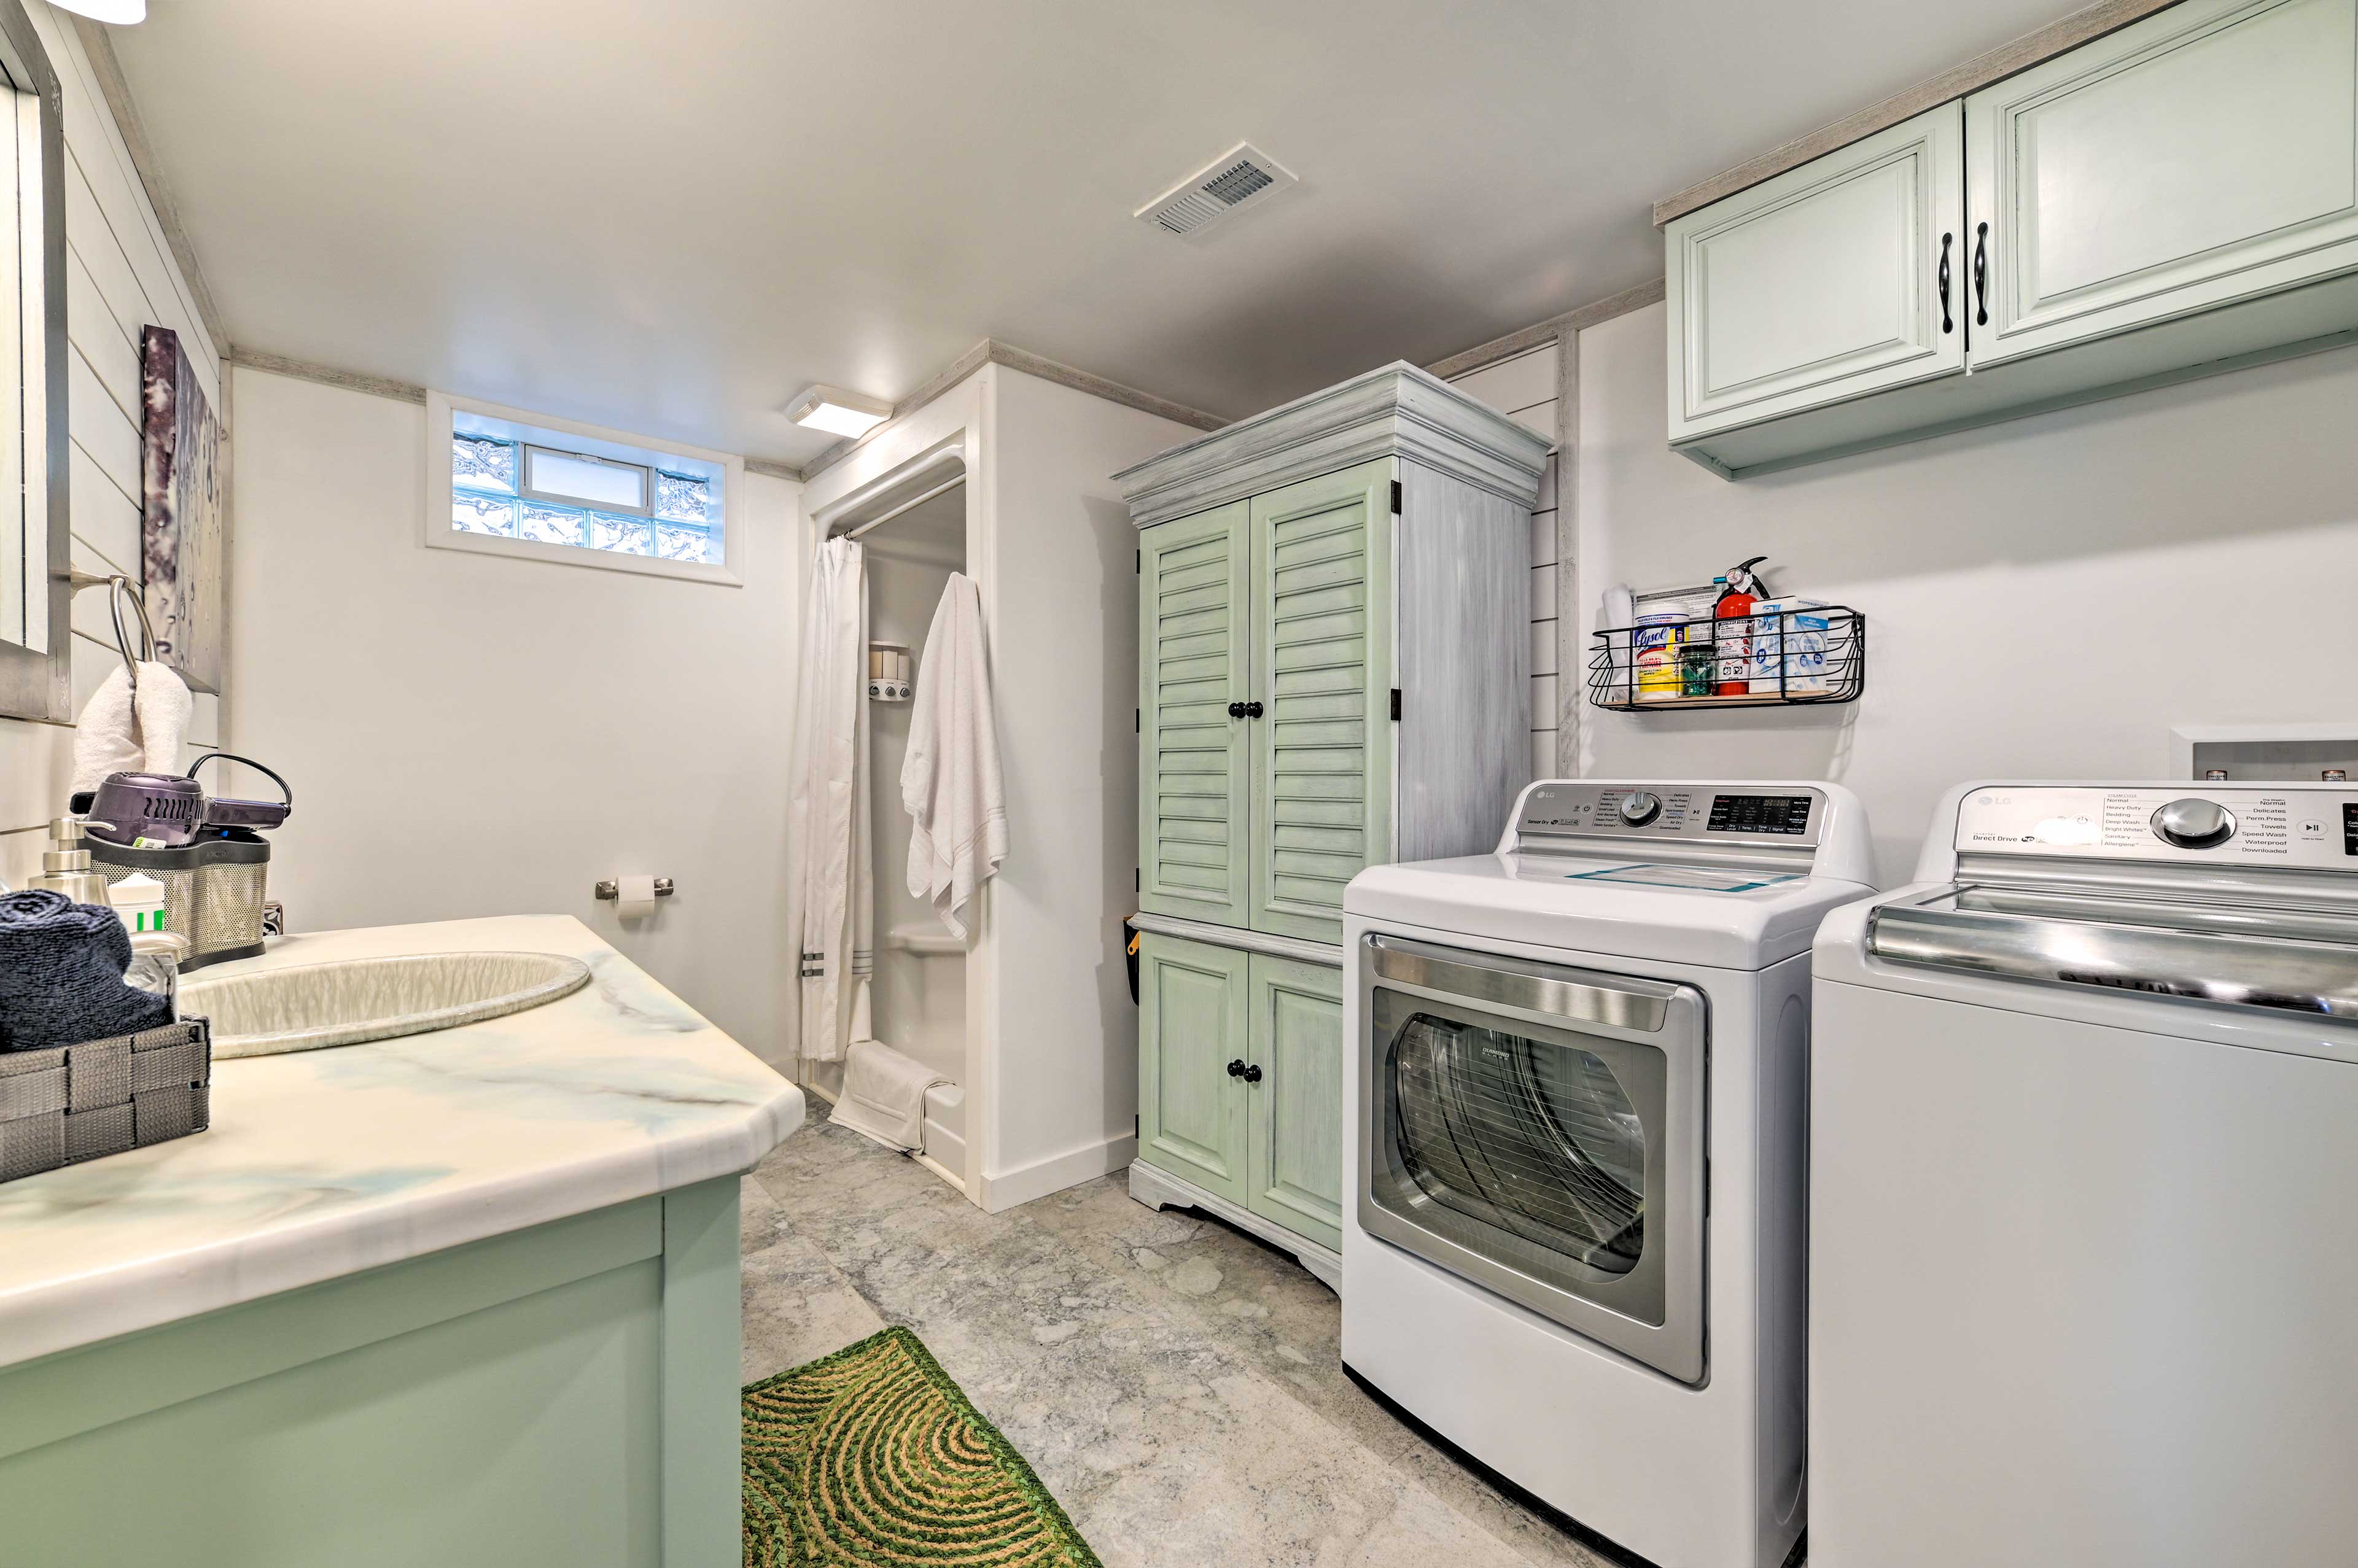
{"type": "Point", "coordinates": [564, 1393]}
{"type": "Point", "coordinates": [1333, 612]}
{"type": "Point", "coordinates": [1240, 1079]}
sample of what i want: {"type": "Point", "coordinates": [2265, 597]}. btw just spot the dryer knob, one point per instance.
{"type": "Point", "coordinates": [1640, 808]}
{"type": "Point", "coordinates": [2195, 823]}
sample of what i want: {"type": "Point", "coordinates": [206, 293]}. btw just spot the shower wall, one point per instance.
{"type": "Point", "coordinates": [918, 1001]}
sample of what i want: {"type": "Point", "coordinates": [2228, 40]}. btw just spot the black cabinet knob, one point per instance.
{"type": "Point", "coordinates": [1252, 1075]}
{"type": "Point", "coordinates": [1237, 1068]}
{"type": "Point", "coordinates": [1236, 710]}
{"type": "Point", "coordinates": [1253, 710]}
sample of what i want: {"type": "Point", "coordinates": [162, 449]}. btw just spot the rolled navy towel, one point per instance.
{"type": "Point", "coordinates": [61, 967]}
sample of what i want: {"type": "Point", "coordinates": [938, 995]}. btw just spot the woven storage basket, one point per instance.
{"type": "Point", "coordinates": [102, 1097]}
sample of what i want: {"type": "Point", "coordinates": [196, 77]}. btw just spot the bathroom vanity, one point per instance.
{"type": "Point", "coordinates": [465, 1297]}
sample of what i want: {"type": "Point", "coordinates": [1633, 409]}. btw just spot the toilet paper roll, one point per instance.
{"type": "Point", "coordinates": [638, 897]}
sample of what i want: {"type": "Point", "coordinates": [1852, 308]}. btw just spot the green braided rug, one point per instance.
{"type": "Point", "coordinates": [873, 1457]}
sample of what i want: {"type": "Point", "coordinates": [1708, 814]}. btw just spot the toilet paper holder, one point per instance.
{"type": "Point", "coordinates": [612, 889]}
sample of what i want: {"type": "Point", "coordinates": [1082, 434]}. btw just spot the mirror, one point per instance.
{"type": "Point", "coordinates": [35, 674]}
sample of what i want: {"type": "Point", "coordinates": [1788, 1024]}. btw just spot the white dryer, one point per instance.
{"type": "Point", "coordinates": [1576, 1076]}
{"type": "Point", "coordinates": [2084, 1187]}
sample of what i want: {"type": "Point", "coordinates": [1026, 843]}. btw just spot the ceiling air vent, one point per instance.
{"type": "Point", "coordinates": [1239, 178]}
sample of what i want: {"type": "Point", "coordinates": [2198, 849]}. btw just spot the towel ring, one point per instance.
{"type": "Point", "coordinates": [118, 588]}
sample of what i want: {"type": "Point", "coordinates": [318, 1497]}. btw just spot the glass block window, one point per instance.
{"type": "Point", "coordinates": [512, 480]}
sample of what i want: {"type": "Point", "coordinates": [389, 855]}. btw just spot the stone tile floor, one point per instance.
{"type": "Point", "coordinates": [1176, 1385]}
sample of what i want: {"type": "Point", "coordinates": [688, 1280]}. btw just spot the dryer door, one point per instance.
{"type": "Point", "coordinates": [1538, 1130]}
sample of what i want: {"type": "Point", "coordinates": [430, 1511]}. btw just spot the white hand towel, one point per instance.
{"type": "Point", "coordinates": [112, 737]}
{"type": "Point", "coordinates": [885, 1095]}
{"type": "Point", "coordinates": [950, 783]}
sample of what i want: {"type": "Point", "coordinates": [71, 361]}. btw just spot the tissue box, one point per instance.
{"type": "Point", "coordinates": [1789, 648]}
{"type": "Point", "coordinates": [103, 1097]}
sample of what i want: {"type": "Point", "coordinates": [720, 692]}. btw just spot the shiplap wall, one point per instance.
{"type": "Point", "coordinates": [120, 277]}
{"type": "Point", "coordinates": [1524, 388]}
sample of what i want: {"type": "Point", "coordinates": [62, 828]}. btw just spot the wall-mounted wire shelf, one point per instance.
{"type": "Point", "coordinates": [1800, 656]}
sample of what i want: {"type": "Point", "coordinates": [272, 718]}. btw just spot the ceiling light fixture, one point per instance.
{"type": "Point", "coordinates": [121, 13]}
{"type": "Point", "coordinates": [837, 412]}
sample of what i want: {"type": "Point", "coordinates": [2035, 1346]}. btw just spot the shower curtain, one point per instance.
{"type": "Point", "coordinates": [834, 869]}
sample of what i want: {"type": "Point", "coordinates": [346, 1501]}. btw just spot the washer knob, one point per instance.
{"type": "Point", "coordinates": [2195, 823]}
{"type": "Point", "coordinates": [1640, 808]}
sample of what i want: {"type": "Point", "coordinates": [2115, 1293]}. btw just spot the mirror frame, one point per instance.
{"type": "Point", "coordinates": [34, 683]}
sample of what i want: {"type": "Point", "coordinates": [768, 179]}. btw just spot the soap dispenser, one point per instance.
{"type": "Point", "coordinates": [65, 865]}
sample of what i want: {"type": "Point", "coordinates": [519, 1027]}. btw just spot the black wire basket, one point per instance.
{"type": "Point", "coordinates": [1789, 659]}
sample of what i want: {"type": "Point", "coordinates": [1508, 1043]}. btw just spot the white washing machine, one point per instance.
{"type": "Point", "coordinates": [2084, 1187]}
{"type": "Point", "coordinates": [1576, 1076]}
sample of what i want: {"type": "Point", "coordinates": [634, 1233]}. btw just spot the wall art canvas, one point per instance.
{"type": "Point", "coordinates": [184, 544]}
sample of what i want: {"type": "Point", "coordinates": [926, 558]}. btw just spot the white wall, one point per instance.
{"type": "Point", "coordinates": [1525, 388]}
{"type": "Point", "coordinates": [473, 735]}
{"type": "Point", "coordinates": [1064, 600]}
{"type": "Point", "coordinates": [120, 277]}
{"type": "Point", "coordinates": [2044, 598]}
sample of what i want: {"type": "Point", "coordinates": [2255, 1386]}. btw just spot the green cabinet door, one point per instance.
{"type": "Point", "coordinates": [1323, 667]}
{"type": "Point", "coordinates": [1295, 1163]}
{"type": "Point", "coordinates": [1193, 1021]}
{"type": "Point", "coordinates": [2205, 154]}
{"type": "Point", "coordinates": [1195, 644]}
{"type": "Point", "coordinates": [1822, 284]}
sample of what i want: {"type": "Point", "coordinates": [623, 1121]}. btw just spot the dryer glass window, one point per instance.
{"type": "Point", "coordinates": [1531, 1149]}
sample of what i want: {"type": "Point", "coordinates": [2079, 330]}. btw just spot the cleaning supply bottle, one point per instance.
{"type": "Point", "coordinates": [1732, 615]}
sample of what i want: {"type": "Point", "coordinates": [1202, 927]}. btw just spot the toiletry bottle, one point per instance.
{"type": "Point", "coordinates": [1731, 629]}
{"type": "Point", "coordinates": [65, 865]}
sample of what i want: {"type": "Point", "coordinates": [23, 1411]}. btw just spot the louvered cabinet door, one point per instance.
{"type": "Point", "coordinates": [1322, 658]}
{"type": "Point", "coordinates": [1194, 640]}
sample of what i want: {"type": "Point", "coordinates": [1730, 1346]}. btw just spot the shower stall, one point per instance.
{"type": "Point", "coordinates": [1004, 476]}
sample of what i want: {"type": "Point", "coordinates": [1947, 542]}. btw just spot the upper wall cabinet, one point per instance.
{"type": "Point", "coordinates": [1828, 282]}
{"type": "Point", "coordinates": [2203, 157]}
{"type": "Point", "coordinates": [2174, 199]}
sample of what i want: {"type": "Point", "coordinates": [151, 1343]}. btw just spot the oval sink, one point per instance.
{"type": "Point", "coordinates": [312, 1005]}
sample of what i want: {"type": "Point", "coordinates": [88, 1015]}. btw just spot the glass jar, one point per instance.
{"type": "Point", "coordinates": [156, 966]}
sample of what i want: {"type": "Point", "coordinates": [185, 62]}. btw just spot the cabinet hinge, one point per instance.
{"type": "Point", "coordinates": [1395, 498]}
{"type": "Point", "coordinates": [1395, 702]}
{"type": "Point", "coordinates": [1137, 561]}
{"type": "Point", "coordinates": [1138, 878]}
{"type": "Point", "coordinates": [1138, 722]}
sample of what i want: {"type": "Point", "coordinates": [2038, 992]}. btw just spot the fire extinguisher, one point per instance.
{"type": "Point", "coordinates": [1734, 652]}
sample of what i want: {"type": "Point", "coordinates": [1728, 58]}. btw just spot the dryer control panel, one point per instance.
{"type": "Point", "coordinates": [1785, 815]}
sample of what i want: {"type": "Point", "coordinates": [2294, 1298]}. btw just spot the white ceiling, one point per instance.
{"type": "Point", "coordinates": [670, 217]}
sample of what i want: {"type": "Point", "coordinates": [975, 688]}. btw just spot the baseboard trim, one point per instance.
{"type": "Point", "coordinates": [1053, 1174]}
{"type": "Point", "coordinates": [1158, 1188]}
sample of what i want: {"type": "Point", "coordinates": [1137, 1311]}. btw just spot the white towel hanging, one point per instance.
{"type": "Point", "coordinates": [950, 783]}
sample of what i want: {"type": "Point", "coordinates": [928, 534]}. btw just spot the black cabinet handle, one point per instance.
{"type": "Point", "coordinates": [1948, 323]}
{"type": "Point", "coordinates": [1253, 710]}
{"type": "Point", "coordinates": [1981, 274]}
{"type": "Point", "coordinates": [1252, 1075]}
{"type": "Point", "coordinates": [1237, 1068]}
{"type": "Point", "coordinates": [1236, 710]}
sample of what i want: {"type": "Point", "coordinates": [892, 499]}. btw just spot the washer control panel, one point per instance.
{"type": "Point", "coordinates": [2285, 825]}
{"type": "Point", "coordinates": [1787, 816]}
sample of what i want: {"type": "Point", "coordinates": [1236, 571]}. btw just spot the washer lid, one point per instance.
{"type": "Point", "coordinates": [1723, 916]}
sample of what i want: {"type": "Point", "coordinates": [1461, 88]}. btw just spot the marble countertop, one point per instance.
{"type": "Point", "coordinates": [325, 1163]}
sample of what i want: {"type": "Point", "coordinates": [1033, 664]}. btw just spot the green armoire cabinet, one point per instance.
{"type": "Point", "coordinates": [1334, 604]}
